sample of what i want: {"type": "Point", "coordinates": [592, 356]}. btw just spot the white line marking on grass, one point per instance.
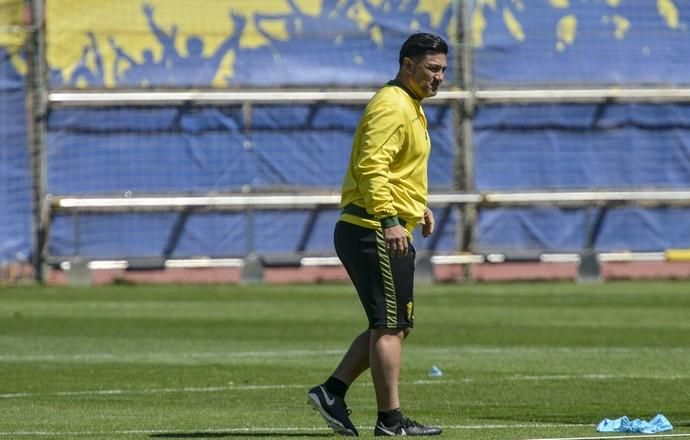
{"type": "Point", "coordinates": [518, 425]}
{"type": "Point", "coordinates": [81, 357]}
{"type": "Point", "coordinates": [177, 356]}
{"type": "Point", "coordinates": [479, 349]}
{"type": "Point", "coordinates": [161, 432]}
{"type": "Point", "coordinates": [608, 437]}
{"type": "Point", "coordinates": [155, 391]}
{"type": "Point", "coordinates": [598, 377]}
{"type": "Point", "coordinates": [243, 387]}
{"type": "Point", "coordinates": [547, 377]}
{"type": "Point", "coordinates": [252, 387]}
{"type": "Point", "coordinates": [254, 430]}
{"type": "Point", "coordinates": [292, 429]}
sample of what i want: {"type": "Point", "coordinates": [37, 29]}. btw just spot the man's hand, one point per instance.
{"type": "Point", "coordinates": [427, 222]}
{"type": "Point", "coordinates": [396, 240]}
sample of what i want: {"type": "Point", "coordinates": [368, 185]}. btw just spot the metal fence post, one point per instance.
{"type": "Point", "coordinates": [36, 120]}
{"type": "Point", "coordinates": [465, 140]}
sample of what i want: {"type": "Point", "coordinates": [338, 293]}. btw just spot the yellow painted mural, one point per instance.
{"type": "Point", "coordinates": [513, 25]}
{"type": "Point", "coordinates": [622, 26]}
{"type": "Point", "coordinates": [102, 43]}
{"type": "Point", "coordinates": [565, 32]}
{"type": "Point", "coordinates": [559, 4]}
{"type": "Point", "coordinates": [126, 29]}
{"type": "Point", "coordinates": [669, 11]}
{"type": "Point", "coordinates": [12, 31]}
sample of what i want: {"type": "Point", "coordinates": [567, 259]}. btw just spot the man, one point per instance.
{"type": "Point", "coordinates": [383, 199]}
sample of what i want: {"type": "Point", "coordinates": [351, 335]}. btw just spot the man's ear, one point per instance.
{"type": "Point", "coordinates": [407, 64]}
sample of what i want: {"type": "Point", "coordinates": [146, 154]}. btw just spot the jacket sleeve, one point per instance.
{"type": "Point", "coordinates": [382, 137]}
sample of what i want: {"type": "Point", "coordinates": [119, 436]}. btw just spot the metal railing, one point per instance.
{"type": "Point", "coordinates": [468, 202]}
{"type": "Point", "coordinates": [114, 98]}
{"type": "Point", "coordinates": [240, 202]}
{"type": "Point", "coordinates": [604, 200]}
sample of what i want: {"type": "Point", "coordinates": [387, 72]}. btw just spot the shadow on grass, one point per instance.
{"type": "Point", "coordinates": [555, 419]}
{"type": "Point", "coordinates": [240, 434]}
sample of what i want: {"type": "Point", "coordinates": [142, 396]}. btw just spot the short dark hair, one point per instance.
{"type": "Point", "coordinates": [422, 43]}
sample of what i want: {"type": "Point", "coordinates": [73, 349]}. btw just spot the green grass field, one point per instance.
{"type": "Point", "coordinates": [519, 361]}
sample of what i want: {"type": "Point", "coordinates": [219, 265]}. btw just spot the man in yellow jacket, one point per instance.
{"type": "Point", "coordinates": [384, 198]}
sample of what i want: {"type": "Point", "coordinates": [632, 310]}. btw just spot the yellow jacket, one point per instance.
{"type": "Point", "coordinates": [387, 174]}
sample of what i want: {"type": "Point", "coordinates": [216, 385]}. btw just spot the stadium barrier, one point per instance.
{"type": "Point", "coordinates": [468, 202]}
{"type": "Point", "coordinates": [252, 265]}
{"type": "Point", "coordinates": [464, 100]}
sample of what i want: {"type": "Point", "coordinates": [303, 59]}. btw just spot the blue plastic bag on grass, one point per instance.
{"type": "Point", "coordinates": [658, 424]}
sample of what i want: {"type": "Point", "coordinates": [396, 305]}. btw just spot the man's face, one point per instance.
{"type": "Point", "coordinates": [426, 74]}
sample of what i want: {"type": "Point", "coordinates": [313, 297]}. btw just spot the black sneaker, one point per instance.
{"type": "Point", "coordinates": [333, 410]}
{"type": "Point", "coordinates": [405, 427]}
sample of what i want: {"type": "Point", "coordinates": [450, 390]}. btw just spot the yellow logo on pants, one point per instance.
{"type": "Point", "coordinates": [410, 310]}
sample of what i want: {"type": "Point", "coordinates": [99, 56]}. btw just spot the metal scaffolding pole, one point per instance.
{"type": "Point", "coordinates": [36, 120]}
{"type": "Point", "coordinates": [465, 144]}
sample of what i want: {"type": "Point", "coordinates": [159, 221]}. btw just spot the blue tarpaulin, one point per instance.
{"type": "Point", "coordinates": [206, 150]}
{"type": "Point", "coordinates": [187, 149]}
{"type": "Point", "coordinates": [15, 177]}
